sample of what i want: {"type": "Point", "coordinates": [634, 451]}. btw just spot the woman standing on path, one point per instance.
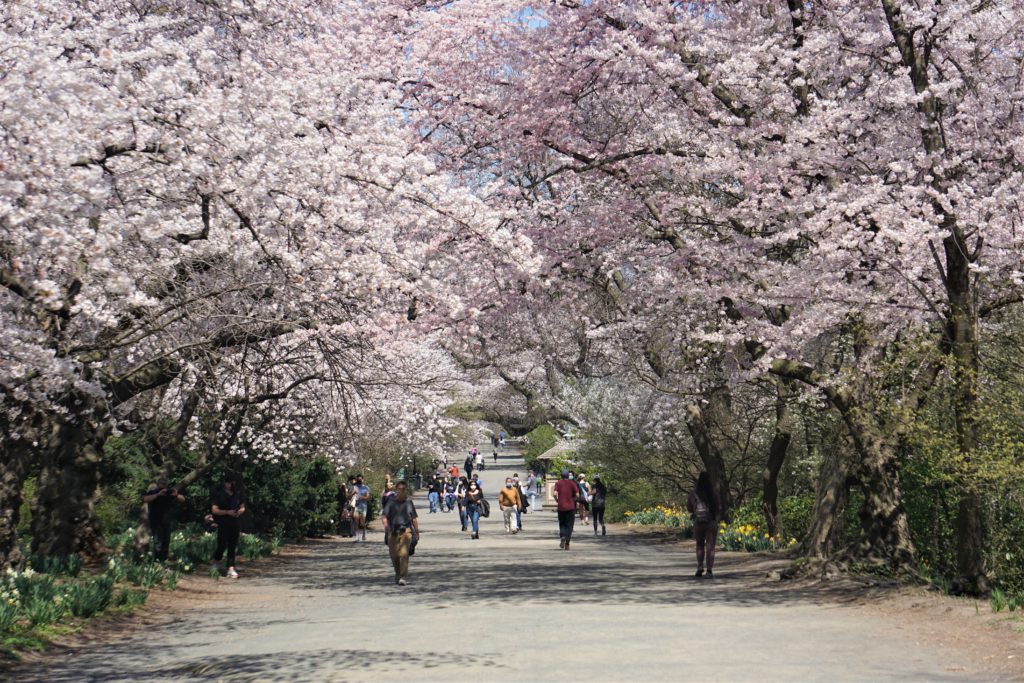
{"type": "Point", "coordinates": [704, 505]}
{"type": "Point", "coordinates": [473, 497]}
{"type": "Point", "coordinates": [598, 496]}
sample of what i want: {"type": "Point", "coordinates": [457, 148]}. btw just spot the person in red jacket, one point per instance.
{"type": "Point", "coordinates": [566, 494]}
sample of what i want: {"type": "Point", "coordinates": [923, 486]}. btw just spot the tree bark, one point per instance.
{"type": "Point", "coordinates": [777, 457]}
{"type": "Point", "coordinates": [885, 538]}
{"type": "Point", "coordinates": [63, 513]}
{"type": "Point", "coordinates": [827, 531]}
{"type": "Point", "coordinates": [962, 339]}
{"type": "Point", "coordinates": [710, 454]}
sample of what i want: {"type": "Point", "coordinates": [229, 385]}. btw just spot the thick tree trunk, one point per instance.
{"type": "Point", "coordinates": [22, 442]}
{"type": "Point", "coordinates": [962, 337]}
{"type": "Point", "coordinates": [776, 457]}
{"type": "Point", "coordinates": [828, 522]}
{"type": "Point", "coordinates": [12, 480]}
{"type": "Point", "coordinates": [710, 454]}
{"type": "Point", "coordinates": [63, 513]}
{"type": "Point", "coordinates": [885, 538]}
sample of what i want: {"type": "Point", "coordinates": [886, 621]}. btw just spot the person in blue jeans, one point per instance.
{"type": "Point", "coordinates": [434, 494]}
{"type": "Point", "coordinates": [473, 497]}
{"type": "Point", "coordinates": [449, 496]}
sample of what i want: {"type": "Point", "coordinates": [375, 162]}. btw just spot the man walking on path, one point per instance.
{"type": "Point", "coordinates": [566, 493]}
{"type": "Point", "coordinates": [402, 529]}
{"type": "Point", "coordinates": [510, 501]}
{"type": "Point", "coordinates": [227, 508]}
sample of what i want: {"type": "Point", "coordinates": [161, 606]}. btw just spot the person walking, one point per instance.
{"type": "Point", "coordinates": [510, 502]}
{"type": "Point", "coordinates": [532, 489]}
{"type": "Point", "coordinates": [522, 501]}
{"type": "Point", "coordinates": [468, 465]}
{"type": "Point", "coordinates": [598, 497]}
{"type": "Point", "coordinates": [460, 496]}
{"type": "Point", "coordinates": [361, 507]}
{"type": "Point", "coordinates": [583, 505]}
{"type": "Point", "coordinates": [227, 508]}
{"type": "Point", "coordinates": [474, 498]}
{"type": "Point", "coordinates": [705, 507]}
{"type": "Point", "coordinates": [402, 529]}
{"type": "Point", "coordinates": [566, 492]}
{"type": "Point", "coordinates": [449, 496]}
{"type": "Point", "coordinates": [162, 504]}
{"type": "Point", "coordinates": [478, 459]}
{"type": "Point", "coordinates": [434, 494]}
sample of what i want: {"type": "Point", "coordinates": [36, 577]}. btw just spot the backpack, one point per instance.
{"type": "Point", "coordinates": [701, 511]}
{"type": "Point", "coordinates": [485, 507]}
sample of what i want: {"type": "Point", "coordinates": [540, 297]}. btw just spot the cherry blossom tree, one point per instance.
{"type": "Point", "coordinates": [191, 191]}
{"type": "Point", "coordinates": [804, 185]}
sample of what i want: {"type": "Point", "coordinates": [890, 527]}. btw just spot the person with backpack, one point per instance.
{"type": "Point", "coordinates": [401, 528]}
{"type": "Point", "coordinates": [584, 502]}
{"type": "Point", "coordinates": [598, 497]}
{"type": "Point", "coordinates": [705, 507]}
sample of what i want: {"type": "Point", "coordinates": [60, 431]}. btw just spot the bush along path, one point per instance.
{"type": "Point", "coordinates": [621, 606]}
{"type": "Point", "coordinates": [57, 596]}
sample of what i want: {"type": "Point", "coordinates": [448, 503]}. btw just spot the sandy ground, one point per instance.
{"type": "Point", "coordinates": [620, 608]}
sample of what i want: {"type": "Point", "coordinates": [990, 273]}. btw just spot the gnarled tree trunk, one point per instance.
{"type": "Point", "coordinates": [63, 513]}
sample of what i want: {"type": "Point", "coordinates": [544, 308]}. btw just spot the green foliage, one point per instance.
{"type": "Point", "coordinates": [795, 515]}
{"type": "Point", "coordinates": [129, 597]}
{"type": "Point", "coordinates": [253, 547]}
{"type": "Point", "coordinates": [538, 442]}
{"type": "Point", "coordinates": [294, 498]}
{"type": "Point", "coordinates": [998, 600]}
{"type": "Point", "coordinates": [145, 575]}
{"type": "Point", "coordinates": [8, 615]}
{"type": "Point", "coordinates": [67, 566]}
{"type": "Point", "coordinates": [625, 497]}
{"type": "Point", "coordinates": [749, 538]}
{"type": "Point", "coordinates": [89, 597]}
{"type": "Point", "coordinates": [661, 515]}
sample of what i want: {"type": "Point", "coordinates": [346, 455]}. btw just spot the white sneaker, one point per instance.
{"type": "Point", "coordinates": [232, 574]}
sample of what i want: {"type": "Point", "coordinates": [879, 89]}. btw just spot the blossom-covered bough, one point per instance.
{"type": "Point", "coordinates": [211, 207]}
{"type": "Point", "coordinates": [805, 186]}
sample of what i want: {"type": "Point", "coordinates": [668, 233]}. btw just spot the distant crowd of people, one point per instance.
{"type": "Point", "coordinates": [448, 489]}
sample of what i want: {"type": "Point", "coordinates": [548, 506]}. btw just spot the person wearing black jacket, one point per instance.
{"type": "Point", "coordinates": [162, 501]}
{"type": "Point", "coordinates": [227, 508]}
{"type": "Point", "coordinates": [599, 496]}
{"type": "Point", "coordinates": [401, 527]}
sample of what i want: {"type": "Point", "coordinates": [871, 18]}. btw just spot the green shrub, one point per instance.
{"type": "Point", "coordinates": [191, 551]}
{"type": "Point", "coordinates": [129, 597]}
{"type": "Point", "coordinates": [88, 597]}
{"type": "Point", "coordinates": [70, 565]}
{"type": "Point", "coordinates": [538, 442]}
{"type": "Point", "coordinates": [145, 575]}
{"type": "Point", "coordinates": [9, 615]}
{"type": "Point", "coordinates": [43, 603]}
{"type": "Point", "coordinates": [253, 547]}
{"type": "Point", "coordinates": [998, 600]}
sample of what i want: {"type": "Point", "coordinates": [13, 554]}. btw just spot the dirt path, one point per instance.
{"type": "Point", "coordinates": [621, 608]}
